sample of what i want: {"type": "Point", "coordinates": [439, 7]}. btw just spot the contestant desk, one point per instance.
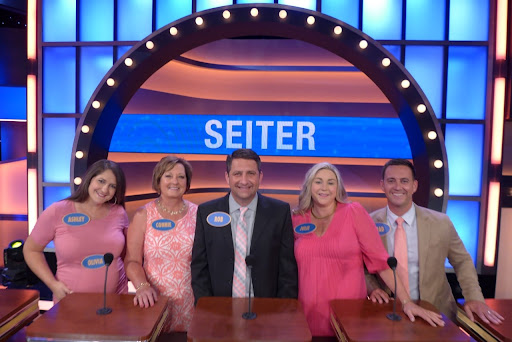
{"type": "Point", "coordinates": [74, 318]}
{"type": "Point", "coordinates": [17, 309]}
{"type": "Point", "coordinates": [220, 319]}
{"type": "Point", "coordinates": [362, 320]}
{"type": "Point", "coordinates": [482, 331]}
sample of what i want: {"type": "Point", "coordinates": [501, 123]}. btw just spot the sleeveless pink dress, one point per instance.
{"type": "Point", "coordinates": [167, 256]}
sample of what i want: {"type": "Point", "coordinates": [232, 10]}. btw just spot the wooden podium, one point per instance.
{"type": "Point", "coordinates": [17, 309]}
{"type": "Point", "coordinates": [362, 320]}
{"type": "Point", "coordinates": [74, 318]}
{"type": "Point", "coordinates": [220, 319]}
{"type": "Point", "coordinates": [482, 331]}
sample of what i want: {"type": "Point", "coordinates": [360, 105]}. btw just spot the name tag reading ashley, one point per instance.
{"type": "Point", "coordinates": [218, 219]}
{"type": "Point", "coordinates": [305, 228]}
{"type": "Point", "coordinates": [163, 224]}
{"type": "Point", "coordinates": [76, 219]}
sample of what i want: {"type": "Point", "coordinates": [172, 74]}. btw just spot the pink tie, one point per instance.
{"type": "Point", "coordinates": [239, 275]}
{"type": "Point", "coordinates": [401, 253]}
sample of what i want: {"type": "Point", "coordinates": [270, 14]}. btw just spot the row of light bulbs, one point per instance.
{"type": "Point", "coordinates": [363, 44]}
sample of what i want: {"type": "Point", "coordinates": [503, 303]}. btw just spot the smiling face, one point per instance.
{"type": "Point", "coordinates": [244, 180]}
{"type": "Point", "coordinates": [102, 187]}
{"type": "Point", "coordinates": [173, 183]}
{"type": "Point", "coordinates": [323, 188]}
{"type": "Point", "coordinates": [399, 186]}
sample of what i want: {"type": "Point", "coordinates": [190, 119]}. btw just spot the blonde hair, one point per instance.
{"type": "Point", "coordinates": [305, 202]}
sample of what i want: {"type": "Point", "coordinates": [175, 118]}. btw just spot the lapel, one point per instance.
{"type": "Point", "coordinates": [381, 217]}
{"type": "Point", "coordinates": [263, 213]}
{"type": "Point", "coordinates": [424, 230]}
{"type": "Point", "coordinates": [223, 205]}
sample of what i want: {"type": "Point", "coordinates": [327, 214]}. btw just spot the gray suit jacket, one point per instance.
{"type": "Point", "coordinates": [438, 240]}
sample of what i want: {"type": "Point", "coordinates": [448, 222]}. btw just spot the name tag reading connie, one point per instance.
{"type": "Point", "coordinates": [163, 224]}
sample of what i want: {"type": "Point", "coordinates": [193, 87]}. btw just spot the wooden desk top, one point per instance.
{"type": "Point", "coordinates": [19, 307]}
{"type": "Point", "coordinates": [363, 320]}
{"type": "Point", "coordinates": [220, 318]}
{"type": "Point", "coordinates": [501, 332]}
{"type": "Point", "coordinates": [75, 318]}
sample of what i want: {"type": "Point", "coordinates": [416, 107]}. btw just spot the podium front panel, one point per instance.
{"type": "Point", "coordinates": [220, 319]}
{"type": "Point", "coordinates": [74, 318]}
{"type": "Point", "coordinates": [359, 320]}
{"type": "Point", "coordinates": [18, 308]}
{"type": "Point", "coordinates": [482, 331]}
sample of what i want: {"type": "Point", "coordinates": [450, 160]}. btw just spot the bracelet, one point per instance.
{"type": "Point", "coordinates": [142, 285]}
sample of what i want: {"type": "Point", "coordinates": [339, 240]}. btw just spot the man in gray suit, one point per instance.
{"type": "Point", "coordinates": [431, 238]}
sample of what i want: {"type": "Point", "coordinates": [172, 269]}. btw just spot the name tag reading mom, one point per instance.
{"type": "Point", "coordinates": [75, 219]}
{"type": "Point", "coordinates": [163, 224]}
{"type": "Point", "coordinates": [218, 219]}
{"type": "Point", "coordinates": [93, 261]}
{"type": "Point", "coordinates": [382, 228]}
{"type": "Point", "coordinates": [305, 228]}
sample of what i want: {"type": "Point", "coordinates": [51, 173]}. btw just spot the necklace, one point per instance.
{"type": "Point", "coordinates": [323, 217]}
{"type": "Point", "coordinates": [177, 212]}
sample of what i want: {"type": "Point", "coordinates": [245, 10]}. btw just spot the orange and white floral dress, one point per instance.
{"type": "Point", "coordinates": [167, 256]}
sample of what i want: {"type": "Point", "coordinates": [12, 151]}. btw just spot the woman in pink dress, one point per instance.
{"type": "Point", "coordinates": [331, 258]}
{"type": "Point", "coordinates": [85, 226]}
{"type": "Point", "coordinates": [159, 247]}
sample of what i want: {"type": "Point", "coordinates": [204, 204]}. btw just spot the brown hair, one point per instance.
{"type": "Point", "coordinates": [167, 163]}
{"type": "Point", "coordinates": [81, 194]}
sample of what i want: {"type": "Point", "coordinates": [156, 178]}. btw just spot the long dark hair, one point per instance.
{"type": "Point", "coordinates": [82, 193]}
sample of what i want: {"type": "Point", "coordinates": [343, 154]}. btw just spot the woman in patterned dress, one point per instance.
{"type": "Point", "coordinates": [159, 244]}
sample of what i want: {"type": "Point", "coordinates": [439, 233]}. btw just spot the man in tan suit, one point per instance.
{"type": "Point", "coordinates": [431, 238]}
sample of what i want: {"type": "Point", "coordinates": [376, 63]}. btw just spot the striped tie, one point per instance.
{"type": "Point", "coordinates": [401, 253]}
{"type": "Point", "coordinates": [239, 275]}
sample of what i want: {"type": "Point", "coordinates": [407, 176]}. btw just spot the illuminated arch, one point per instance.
{"type": "Point", "coordinates": [107, 103]}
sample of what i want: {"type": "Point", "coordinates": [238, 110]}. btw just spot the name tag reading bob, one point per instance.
{"type": "Point", "coordinates": [305, 228]}
{"type": "Point", "coordinates": [93, 261]}
{"type": "Point", "coordinates": [218, 219]}
{"type": "Point", "coordinates": [163, 224]}
{"type": "Point", "coordinates": [382, 228]}
{"type": "Point", "coordinates": [76, 219]}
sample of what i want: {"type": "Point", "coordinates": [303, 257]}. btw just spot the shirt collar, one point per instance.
{"type": "Point", "coordinates": [408, 217]}
{"type": "Point", "coordinates": [234, 206]}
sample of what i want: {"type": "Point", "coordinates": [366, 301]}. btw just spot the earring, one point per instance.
{"type": "Point", "coordinates": [115, 200]}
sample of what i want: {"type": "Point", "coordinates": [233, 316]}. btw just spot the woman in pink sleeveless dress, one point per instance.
{"type": "Point", "coordinates": [159, 245]}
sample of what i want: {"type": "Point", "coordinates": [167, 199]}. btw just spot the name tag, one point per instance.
{"type": "Point", "coordinates": [76, 219]}
{"type": "Point", "coordinates": [305, 228]}
{"type": "Point", "coordinates": [218, 219]}
{"type": "Point", "coordinates": [93, 261]}
{"type": "Point", "coordinates": [163, 224]}
{"type": "Point", "coordinates": [382, 228]}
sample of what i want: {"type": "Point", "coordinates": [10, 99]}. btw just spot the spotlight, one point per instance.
{"type": "Point", "coordinates": [15, 272]}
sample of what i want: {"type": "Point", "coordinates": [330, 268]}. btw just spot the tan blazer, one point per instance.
{"type": "Point", "coordinates": [438, 240]}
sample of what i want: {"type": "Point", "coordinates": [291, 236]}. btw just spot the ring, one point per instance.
{"type": "Point", "coordinates": [489, 312]}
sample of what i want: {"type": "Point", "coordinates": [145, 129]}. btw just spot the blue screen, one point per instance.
{"type": "Point", "coordinates": [267, 135]}
{"type": "Point", "coordinates": [13, 100]}
{"type": "Point", "coordinates": [382, 19]}
{"type": "Point", "coordinates": [345, 10]}
{"type": "Point", "coordinates": [59, 20]}
{"type": "Point", "coordinates": [465, 216]}
{"type": "Point", "coordinates": [97, 20]}
{"type": "Point", "coordinates": [169, 11]}
{"type": "Point", "coordinates": [59, 76]}
{"type": "Point", "coordinates": [425, 19]}
{"type": "Point", "coordinates": [57, 144]}
{"type": "Point", "coordinates": [464, 148]}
